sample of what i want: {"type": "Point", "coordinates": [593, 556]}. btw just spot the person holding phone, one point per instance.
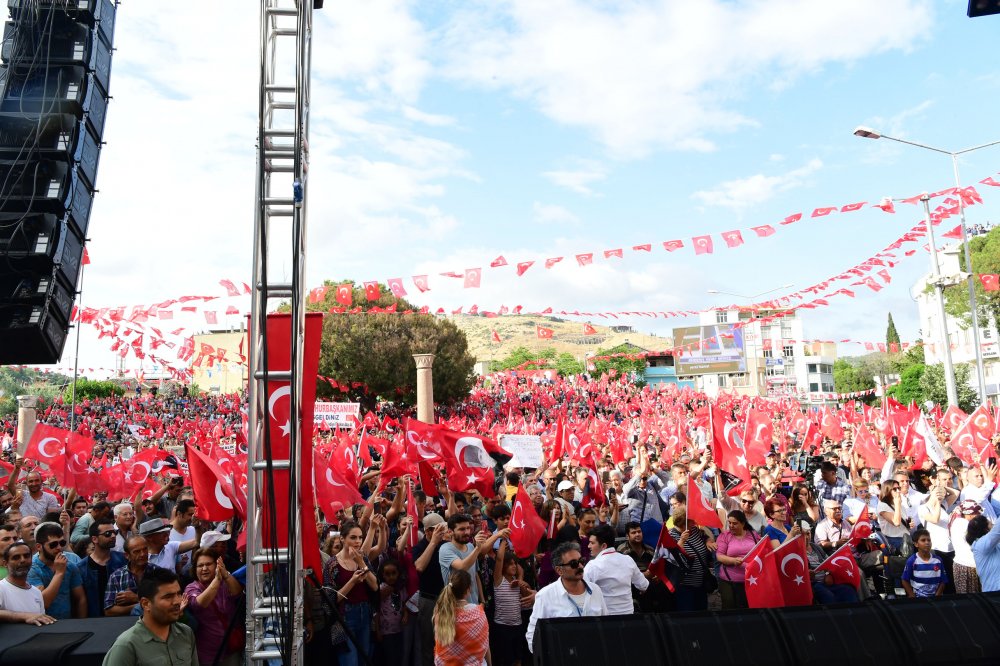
{"type": "Point", "coordinates": [351, 576]}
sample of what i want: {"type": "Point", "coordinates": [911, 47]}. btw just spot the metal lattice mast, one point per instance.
{"type": "Point", "coordinates": [274, 575]}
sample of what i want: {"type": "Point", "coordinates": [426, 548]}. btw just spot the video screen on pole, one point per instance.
{"type": "Point", "coordinates": [709, 350]}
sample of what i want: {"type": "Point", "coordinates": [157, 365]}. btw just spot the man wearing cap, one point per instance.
{"type": "Point", "coordinates": [163, 552]}
{"type": "Point", "coordinates": [566, 497]}
{"type": "Point", "coordinates": [218, 543]}
{"type": "Point", "coordinates": [425, 560]}
{"type": "Point", "coordinates": [833, 531]}
{"type": "Point", "coordinates": [121, 594]}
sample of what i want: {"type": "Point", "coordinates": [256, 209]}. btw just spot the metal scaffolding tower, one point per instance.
{"type": "Point", "coordinates": [275, 575]}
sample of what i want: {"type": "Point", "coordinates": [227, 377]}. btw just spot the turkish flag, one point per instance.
{"type": "Point", "coordinates": [211, 318]}
{"type": "Point", "coordinates": [277, 414]}
{"type": "Point", "coordinates": [759, 437]}
{"type": "Point", "coordinates": [472, 277]}
{"type": "Point", "coordinates": [86, 258]}
{"type": "Point", "coordinates": [372, 291]}
{"type": "Point", "coordinates": [791, 219]}
{"type": "Point", "coordinates": [672, 245]}
{"type": "Point", "coordinates": [585, 259]}
{"type": "Point", "coordinates": [954, 417]}
{"type": "Point", "coordinates": [699, 509]}
{"type": "Point", "coordinates": [48, 445]}
{"type": "Point", "coordinates": [345, 293]}
{"type": "Point", "coordinates": [230, 288]}
{"type": "Point", "coordinates": [523, 266]}
{"type": "Point", "coordinates": [111, 479]}
{"type": "Point", "coordinates": [317, 294]}
{"type": "Point", "coordinates": [412, 537]}
{"type": "Point", "coordinates": [334, 491]}
{"type": "Point", "coordinates": [842, 566]}
{"type": "Point", "coordinates": [823, 212]}
{"type": "Point", "coordinates": [552, 261]}
{"type": "Point", "coordinates": [886, 205]}
{"type": "Point", "coordinates": [420, 282]}
{"type": "Point", "coordinates": [830, 426]}
{"type": "Point", "coordinates": [498, 262]}
{"type": "Point", "coordinates": [212, 488]}
{"type": "Point", "coordinates": [667, 551]}
{"type": "Point", "coordinates": [645, 247]}
{"type": "Point", "coordinates": [761, 578]}
{"type": "Point", "coordinates": [763, 230]}
{"type": "Point", "coordinates": [862, 528]}
{"type": "Point", "coordinates": [78, 472]}
{"type": "Point", "coordinates": [397, 461]}
{"type": "Point", "coordinates": [396, 287]}
{"type": "Point", "coordinates": [589, 330]}
{"type": "Point", "coordinates": [495, 336]}
{"type": "Point", "coordinates": [868, 448]}
{"type": "Point", "coordinates": [972, 440]}
{"type": "Point", "coordinates": [730, 455]}
{"type": "Point", "coordinates": [702, 244]}
{"type": "Point", "coordinates": [850, 208]}
{"type": "Point", "coordinates": [467, 460]}
{"type": "Point", "coordinates": [733, 238]}
{"type": "Point", "coordinates": [613, 253]}
{"type": "Point", "coordinates": [955, 233]}
{"type": "Point", "coordinates": [139, 468]}
{"type": "Point", "coordinates": [991, 281]}
{"type": "Point", "coordinates": [526, 528]}
{"type": "Point", "coordinates": [544, 333]}
{"type": "Point", "coordinates": [792, 567]}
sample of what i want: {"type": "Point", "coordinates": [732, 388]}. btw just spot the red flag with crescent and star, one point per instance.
{"type": "Point", "coordinates": [792, 568]}
{"type": "Point", "coordinates": [526, 527]}
{"type": "Point", "coordinates": [842, 566]}
{"type": "Point", "coordinates": [761, 578]}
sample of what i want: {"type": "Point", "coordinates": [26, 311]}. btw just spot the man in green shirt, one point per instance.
{"type": "Point", "coordinates": [157, 639]}
{"type": "Point", "coordinates": [8, 535]}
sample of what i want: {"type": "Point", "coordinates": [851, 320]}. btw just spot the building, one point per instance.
{"type": "Point", "coordinates": [731, 350]}
{"type": "Point", "coordinates": [960, 337]}
{"type": "Point", "coordinates": [213, 375]}
{"type": "Point", "coordinates": [660, 370]}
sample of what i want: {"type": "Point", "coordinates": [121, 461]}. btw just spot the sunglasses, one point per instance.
{"type": "Point", "coordinates": [572, 564]}
{"type": "Point", "coordinates": [748, 501]}
{"type": "Point", "coordinates": [61, 542]}
{"type": "Point", "coordinates": [109, 533]}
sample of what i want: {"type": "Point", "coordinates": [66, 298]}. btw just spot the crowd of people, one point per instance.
{"type": "Point", "coordinates": [456, 592]}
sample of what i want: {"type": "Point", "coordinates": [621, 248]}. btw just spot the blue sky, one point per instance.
{"type": "Point", "coordinates": [447, 133]}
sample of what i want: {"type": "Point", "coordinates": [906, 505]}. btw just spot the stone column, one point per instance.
{"type": "Point", "coordinates": [425, 387]}
{"type": "Point", "coordinates": [26, 418]}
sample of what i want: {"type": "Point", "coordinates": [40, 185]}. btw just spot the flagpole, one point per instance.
{"type": "Point", "coordinates": [76, 358]}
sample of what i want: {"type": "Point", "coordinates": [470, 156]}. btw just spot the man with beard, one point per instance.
{"type": "Point", "coordinates": [158, 637]}
{"type": "Point", "coordinates": [54, 572]}
{"type": "Point", "coordinates": [98, 567]}
{"type": "Point", "coordinates": [569, 596]}
{"type": "Point", "coordinates": [462, 553]}
{"type": "Point", "coordinates": [122, 595]}
{"type": "Point", "coordinates": [19, 600]}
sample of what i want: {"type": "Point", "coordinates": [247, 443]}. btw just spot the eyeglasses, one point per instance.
{"type": "Point", "coordinates": [61, 542]}
{"type": "Point", "coordinates": [572, 564]}
{"type": "Point", "coordinates": [747, 501]}
{"type": "Point", "coordinates": [108, 533]}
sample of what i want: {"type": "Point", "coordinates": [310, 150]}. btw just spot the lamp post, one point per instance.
{"type": "Point", "coordinates": [869, 133]}
{"type": "Point", "coordinates": [949, 370]}
{"type": "Point", "coordinates": [751, 299]}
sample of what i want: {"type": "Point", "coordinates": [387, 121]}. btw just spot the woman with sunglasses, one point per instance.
{"type": "Point", "coordinates": [777, 517]}
{"type": "Point", "coordinates": [891, 520]}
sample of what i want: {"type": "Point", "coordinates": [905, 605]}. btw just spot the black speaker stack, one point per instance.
{"type": "Point", "coordinates": [54, 76]}
{"type": "Point", "coordinates": [960, 629]}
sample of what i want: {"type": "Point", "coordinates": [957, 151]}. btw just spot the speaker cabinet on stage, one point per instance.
{"type": "Point", "coordinates": [744, 637]}
{"type": "Point", "coordinates": [820, 635]}
{"type": "Point", "coordinates": [617, 639]}
{"type": "Point", "coordinates": [959, 629]}
{"type": "Point", "coordinates": [53, 107]}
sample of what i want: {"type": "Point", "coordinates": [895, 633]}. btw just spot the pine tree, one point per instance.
{"type": "Point", "coordinates": [891, 336]}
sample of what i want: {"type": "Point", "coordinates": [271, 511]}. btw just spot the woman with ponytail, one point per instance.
{"type": "Point", "coordinates": [461, 633]}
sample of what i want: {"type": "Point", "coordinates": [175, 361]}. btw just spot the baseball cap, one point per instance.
{"type": "Point", "coordinates": [212, 537]}
{"type": "Point", "coordinates": [564, 485]}
{"type": "Point", "coordinates": [154, 526]}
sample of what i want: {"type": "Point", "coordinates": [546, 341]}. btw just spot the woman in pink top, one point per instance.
{"type": "Point", "coordinates": [733, 546]}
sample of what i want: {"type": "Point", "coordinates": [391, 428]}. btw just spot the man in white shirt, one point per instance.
{"type": "Point", "coordinates": [19, 600]}
{"type": "Point", "coordinates": [182, 529]}
{"type": "Point", "coordinates": [569, 596]}
{"type": "Point", "coordinates": [163, 552]}
{"type": "Point", "coordinates": [935, 515]}
{"type": "Point", "coordinates": [613, 572]}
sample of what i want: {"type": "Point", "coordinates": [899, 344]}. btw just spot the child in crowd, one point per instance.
{"type": "Point", "coordinates": [924, 574]}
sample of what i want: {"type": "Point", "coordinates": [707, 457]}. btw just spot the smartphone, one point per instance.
{"type": "Point", "coordinates": [991, 461]}
{"type": "Point", "coordinates": [484, 527]}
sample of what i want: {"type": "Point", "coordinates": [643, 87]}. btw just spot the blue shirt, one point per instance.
{"type": "Point", "coordinates": [924, 576]}
{"type": "Point", "coordinates": [448, 553]}
{"type": "Point", "coordinates": [41, 575]}
{"type": "Point", "coordinates": [92, 584]}
{"type": "Point", "coordinates": [985, 551]}
{"type": "Point", "coordinates": [772, 532]}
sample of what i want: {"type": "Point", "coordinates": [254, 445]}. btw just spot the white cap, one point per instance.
{"type": "Point", "coordinates": [564, 485]}
{"type": "Point", "coordinates": [212, 537]}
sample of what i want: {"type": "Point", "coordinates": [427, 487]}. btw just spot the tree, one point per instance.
{"type": "Point", "coordinates": [90, 389]}
{"type": "Point", "coordinates": [373, 351]}
{"type": "Point", "coordinates": [909, 388]}
{"type": "Point", "coordinates": [567, 365]}
{"type": "Point", "coordinates": [850, 378]}
{"type": "Point", "coordinates": [912, 356]}
{"type": "Point", "coordinates": [622, 364]}
{"type": "Point", "coordinates": [522, 355]}
{"type": "Point", "coordinates": [891, 336]}
{"type": "Point", "coordinates": [985, 253]}
{"type": "Point", "coordinates": [933, 385]}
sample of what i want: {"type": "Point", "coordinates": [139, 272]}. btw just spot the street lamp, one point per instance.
{"type": "Point", "coordinates": [752, 299]}
{"type": "Point", "coordinates": [869, 133]}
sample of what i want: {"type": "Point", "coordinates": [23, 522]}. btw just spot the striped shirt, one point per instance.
{"type": "Point", "coordinates": [507, 600]}
{"type": "Point", "coordinates": [697, 550]}
{"type": "Point", "coordinates": [924, 576]}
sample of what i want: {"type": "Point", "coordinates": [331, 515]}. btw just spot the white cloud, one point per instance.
{"type": "Point", "coordinates": [742, 193]}
{"type": "Point", "coordinates": [552, 214]}
{"type": "Point", "coordinates": [432, 119]}
{"type": "Point", "coordinates": [578, 180]}
{"type": "Point", "coordinates": [646, 76]}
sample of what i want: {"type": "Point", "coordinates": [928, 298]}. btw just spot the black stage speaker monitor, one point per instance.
{"type": "Point", "coordinates": [617, 639]}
